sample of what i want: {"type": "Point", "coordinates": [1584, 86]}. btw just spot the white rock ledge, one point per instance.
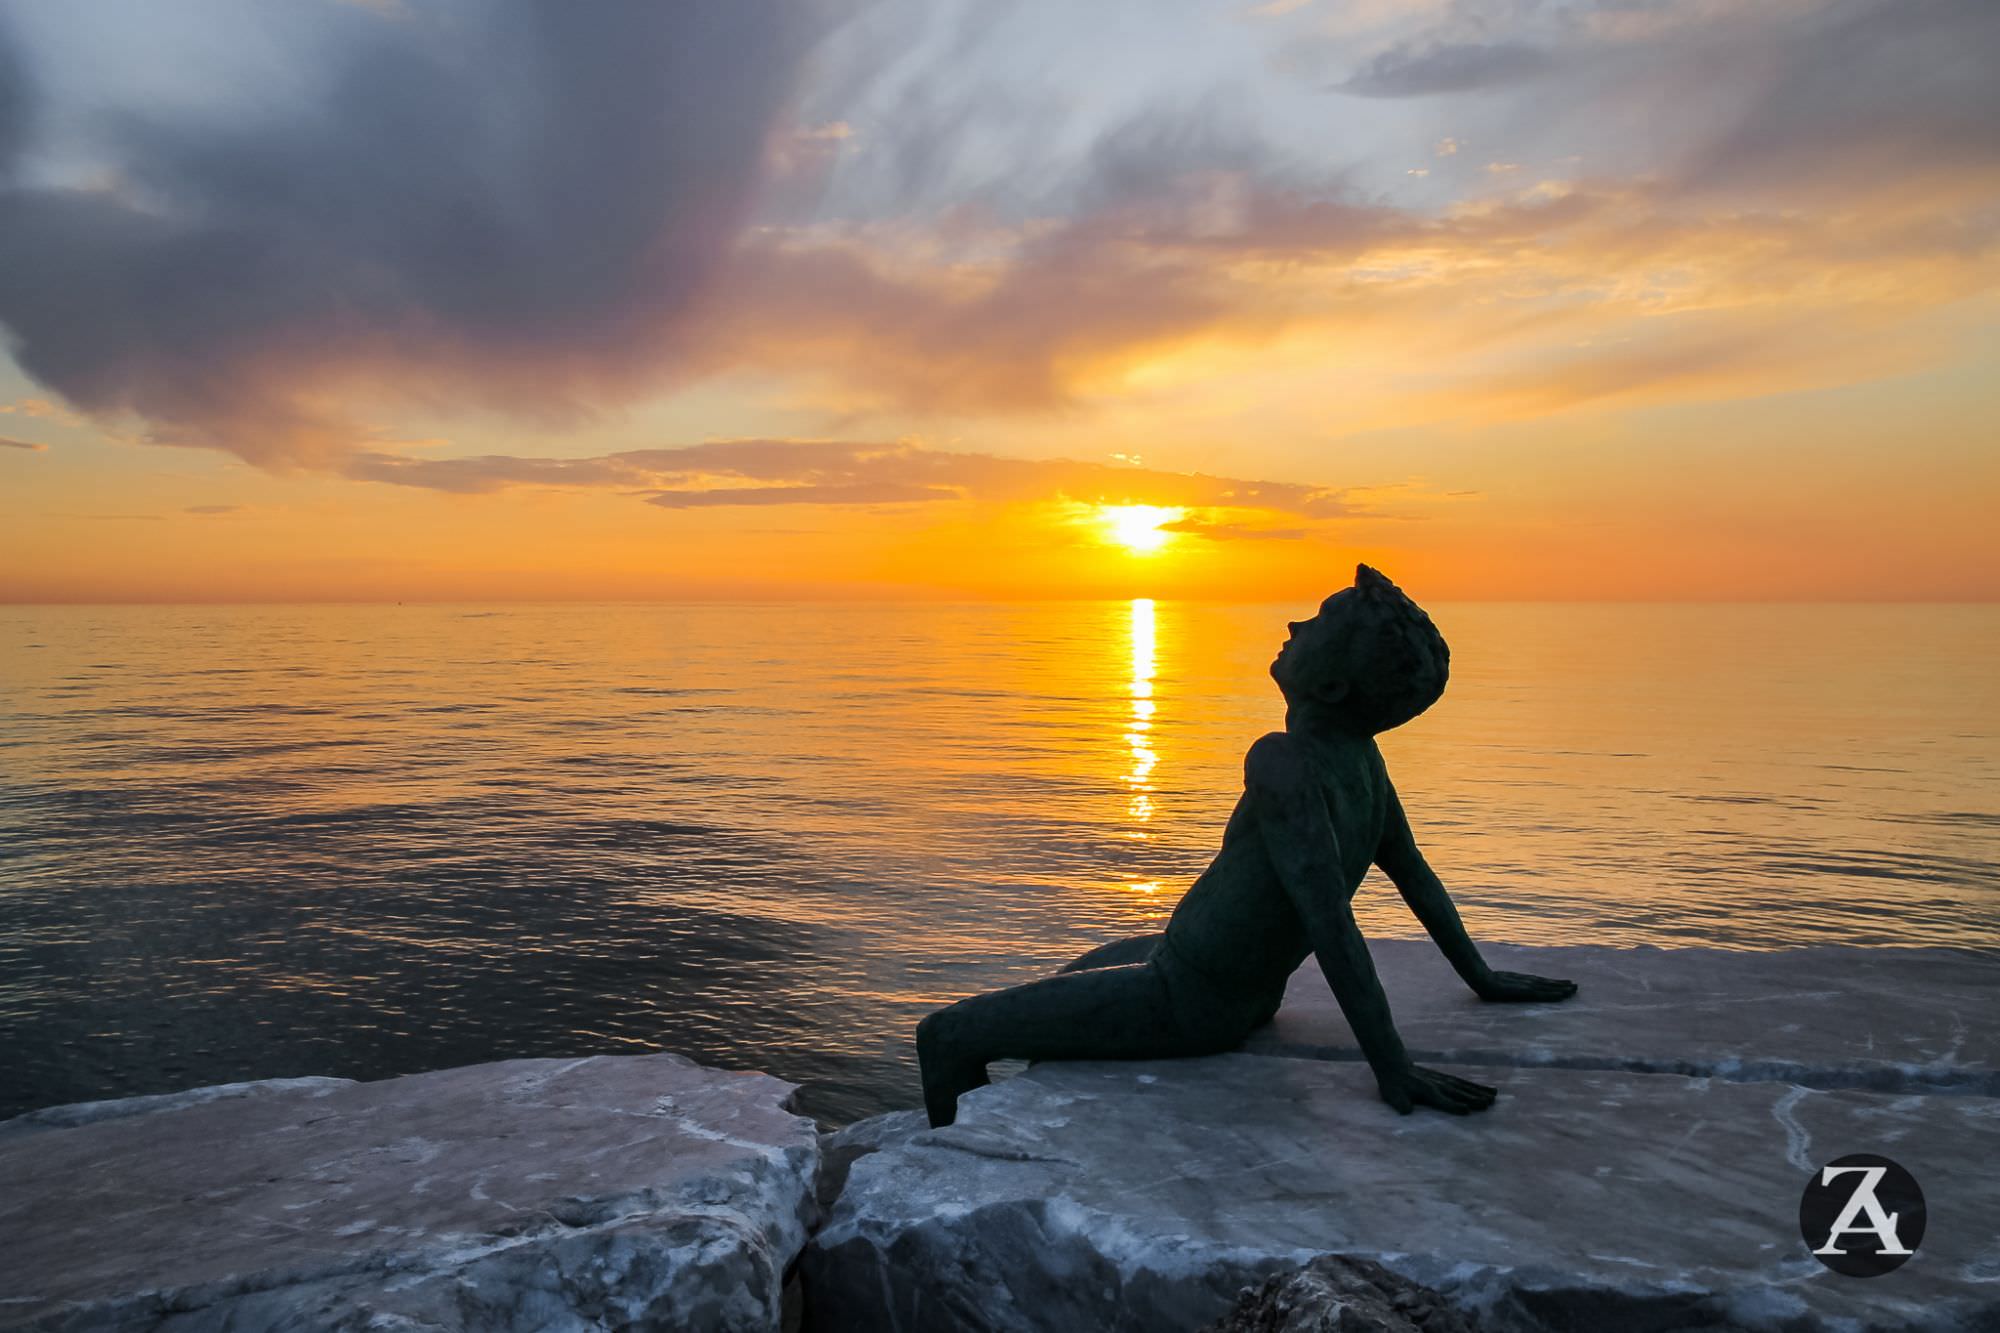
{"type": "Point", "coordinates": [1887, 1020]}
{"type": "Point", "coordinates": [118, 1108]}
{"type": "Point", "coordinates": [640, 1191]}
{"type": "Point", "coordinates": [1144, 1195]}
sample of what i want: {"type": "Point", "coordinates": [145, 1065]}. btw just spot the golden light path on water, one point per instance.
{"type": "Point", "coordinates": [1138, 731]}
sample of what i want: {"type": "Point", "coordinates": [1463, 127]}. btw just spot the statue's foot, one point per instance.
{"type": "Point", "coordinates": [945, 1077]}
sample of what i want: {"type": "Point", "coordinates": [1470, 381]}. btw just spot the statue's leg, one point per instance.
{"type": "Point", "coordinates": [1119, 952]}
{"type": "Point", "coordinates": [1100, 1013]}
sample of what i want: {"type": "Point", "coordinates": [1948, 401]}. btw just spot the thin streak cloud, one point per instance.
{"type": "Point", "coordinates": [732, 473]}
{"type": "Point", "coordinates": [1456, 68]}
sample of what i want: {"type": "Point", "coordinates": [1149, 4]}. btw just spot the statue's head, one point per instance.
{"type": "Point", "coordinates": [1371, 657]}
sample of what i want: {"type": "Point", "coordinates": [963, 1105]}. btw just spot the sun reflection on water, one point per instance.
{"type": "Point", "coordinates": [1139, 729]}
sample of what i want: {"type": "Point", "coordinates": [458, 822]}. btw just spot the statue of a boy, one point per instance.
{"type": "Point", "coordinates": [1317, 808]}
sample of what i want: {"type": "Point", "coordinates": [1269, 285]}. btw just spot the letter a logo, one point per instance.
{"type": "Point", "coordinates": [1862, 1215]}
{"type": "Point", "coordinates": [1862, 1203]}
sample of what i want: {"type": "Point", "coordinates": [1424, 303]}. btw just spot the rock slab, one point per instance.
{"type": "Point", "coordinates": [1338, 1294]}
{"type": "Point", "coordinates": [628, 1192]}
{"type": "Point", "coordinates": [1146, 1195]}
{"type": "Point", "coordinates": [1889, 1020]}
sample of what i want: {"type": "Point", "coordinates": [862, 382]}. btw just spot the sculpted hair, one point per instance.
{"type": "Point", "coordinates": [1407, 660]}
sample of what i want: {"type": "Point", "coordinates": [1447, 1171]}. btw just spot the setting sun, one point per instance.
{"type": "Point", "coordinates": [1140, 529]}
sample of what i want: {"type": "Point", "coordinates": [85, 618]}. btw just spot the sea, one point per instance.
{"type": "Point", "coordinates": [243, 842]}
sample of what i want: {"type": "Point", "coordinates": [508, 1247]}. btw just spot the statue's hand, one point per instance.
{"type": "Point", "coordinates": [1413, 1086]}
{"type": "Point", "coordinates": [1520, 988]}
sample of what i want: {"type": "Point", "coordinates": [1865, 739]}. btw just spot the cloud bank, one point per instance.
{"type": "Point", "coordinates": [548, 209]}
{"type": "Point", "coordinates": [502, 203]}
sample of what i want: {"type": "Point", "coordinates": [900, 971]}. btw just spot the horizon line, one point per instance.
{"type": "Point", "coordinates": [950, 600]}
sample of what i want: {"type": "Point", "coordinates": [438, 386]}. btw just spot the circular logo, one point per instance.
{"type": "Point", "coordinates": [1862, 1215]}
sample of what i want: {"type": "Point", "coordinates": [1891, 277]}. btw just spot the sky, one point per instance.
{"type": "Point", "coordinates": [1577, 299]}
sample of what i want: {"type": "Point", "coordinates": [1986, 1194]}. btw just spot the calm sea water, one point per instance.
{"type": "Point", "coordinates": [367, 840]}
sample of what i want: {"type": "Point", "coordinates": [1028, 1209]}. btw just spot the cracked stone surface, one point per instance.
{"type": "Point", "coordinates": [1338, 1294]}
{"type": "Point", "coordinates": [641, 1192]}
{"type": "Point", "coordinates": [1146, 1195]}
{"type": "Point", "coordinates": [90, 1113]}
{"type": "Point", "coordinates": [1883, 1019]}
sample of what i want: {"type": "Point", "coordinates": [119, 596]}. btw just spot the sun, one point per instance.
{"type": "Point", "coordinates": [1140, 529]}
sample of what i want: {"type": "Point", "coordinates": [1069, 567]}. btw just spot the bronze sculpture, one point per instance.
{"type": "Point", "coordinates": [1317, 808]}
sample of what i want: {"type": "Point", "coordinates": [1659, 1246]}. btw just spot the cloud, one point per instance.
{"type": "Point", "coordinates": [1076, 314]}
{"type": "Point", "coordinates": [1451, 68]}
{"type": "Point", "coordinates": [41, 409]}
{"type": "Point", "coordinates": [1783, 100]}
{"type": "Point", "coordinates": [17, 100]}
{"type": "Point", "coordinates": [1186, 232]}
{"type": "Point", "coordinates": [1161, 255]}
{"type": "Point", "coordinates": [552, 210]}
{"type": "Point", "coordinates": [1223, 531]}
{"type": "Point", "coordinates": [735, 473]}
{"type": "Point", "coordinates": [23, 444]}
{"type": "Point", "coordinates": [856, 493]}
{"type": "Point", "coordinates": [1861, 95]}
{"type": "Point", "coordinates": [213, 510]}
{"type": "Point", "coordinates": [511, 204]}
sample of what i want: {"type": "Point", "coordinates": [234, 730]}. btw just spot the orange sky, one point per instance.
{"type": "Point", "coordinates": [1643, 304]}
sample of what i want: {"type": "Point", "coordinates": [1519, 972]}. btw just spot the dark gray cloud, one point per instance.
{"type": "Point", "coordinates": [23, 444]}
{"type": "Point", "coordinates": [1777, 103]}
{"type": "Point", "coordinates": [511, 203]}
{"type": "Point", "coordinates": [16, 99]}
{"type": "Point", "coordinates": [1869, 91]}
{"type": "Point", "coordinates": [782, 472]}
{"type": "Point", "coordinates": [1405, 71]}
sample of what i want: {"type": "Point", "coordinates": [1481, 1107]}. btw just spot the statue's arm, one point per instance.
{"type": "Point", "coordinates": [1413, 877]}
{"type": "Point", "coordinates": [1304, 850]}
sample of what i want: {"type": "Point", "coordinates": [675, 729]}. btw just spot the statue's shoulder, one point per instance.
{"type": "Point", "coordinates": [1275, 759]}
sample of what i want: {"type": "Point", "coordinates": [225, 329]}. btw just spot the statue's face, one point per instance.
{"type": "Point", "coordinates": [1313, 644]}
{"type": "Point", "coordinates": [1371, 654]}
